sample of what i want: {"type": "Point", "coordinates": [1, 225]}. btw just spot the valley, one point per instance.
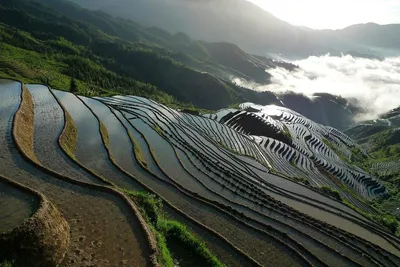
{"type": "Point", "coordinates": [126, 144]}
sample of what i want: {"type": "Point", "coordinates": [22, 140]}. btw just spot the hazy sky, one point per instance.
{"type": "Point", "coordinates": [333, 14]}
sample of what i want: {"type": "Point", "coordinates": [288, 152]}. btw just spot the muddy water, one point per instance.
{"type": "Point", "coordinates": [201, 212]}
{"type": "Point", "coordinates": [16, 206]}
{"type": "Point", "coordinates": [120, 143]}
{"type": "Point", "coordinates": [140, 142]}
{"type": "Point", "coordinates": [49, 123]}
{"type": "Point", "coordinates": [88, 127]}
{"type": "Point", "coordinates": [305, 208]}
{"type": "Point", "coordinates": [91, 151]}
{"type": "Point", "coordinates": [103, 230]}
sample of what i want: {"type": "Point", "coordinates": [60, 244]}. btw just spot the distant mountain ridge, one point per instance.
{"type": "Point", "coordinates": [149, 62]}
{"type": "Point", "coordinates": [371, 34]}
{"type": "Point", "coordinates": [252, 28]}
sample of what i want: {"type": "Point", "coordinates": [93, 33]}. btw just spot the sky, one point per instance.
{"type": "Point", "coordinates": [332, 14]}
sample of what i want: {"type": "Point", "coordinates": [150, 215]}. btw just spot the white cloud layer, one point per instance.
{"type": "Point", "coordinates": [371, 84]}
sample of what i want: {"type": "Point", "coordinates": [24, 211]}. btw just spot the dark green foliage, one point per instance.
{"type": "Point", "coordinates": [57, 69]}
{"type": "Point", "coordinates": [387, 153]}
{"type": "Point", "coordinates": [108, 55]}
{"type": "Point", "coordinates": [188, 248]}
{"type": "Point", "coordinates": [331, 192]}
{"type": "Point", "coordinates": [73, 88]}
{"type": "Point", "coordinates": [186, 84]}
{"type": "Point", "coordinates": [302, 180]}
{"type": "Point", "coordinates": [230, 55]}
{"type": "Point", "coordinates": [105, 63]}
{"type": "Point", "coordinates": [6, 264]}
{"type": "Point", "coordinates": [389, 222]}
{"type": "Point", "coordinates": [337, 151]}
{"type": "Point", "coordinates": [172, 237]}
{"type": "Point", "coordinates": [386, 138]}
{"type": "Point", "coordinates": [363, 132]}
{"type": "Point", "coordinates": [383, 147]}
{"type": "Point", "coordinates": [150, 205]}
{"type": "Point", "coordinates": [38, 20]}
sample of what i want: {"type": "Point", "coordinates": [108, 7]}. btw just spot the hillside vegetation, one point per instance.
{"type": "Point", "coordinates": [381, 140]}
{"type": "Point", "coordinates": [253, 28]}
{"type": "Point", "coordinates": [115, 124]}
{"type": "Point", "coordinates": [55, 42]}
{"type": "Point", "coordinates": [108, 55]}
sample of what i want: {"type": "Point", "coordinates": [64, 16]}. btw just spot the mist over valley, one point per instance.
{"type": "Point", "coordinates": [371, 85]}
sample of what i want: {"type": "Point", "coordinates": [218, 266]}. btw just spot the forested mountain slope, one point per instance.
{"type": "Point", "coordinates": [381, 139]}
{"type": "Point", "coordinates": [107, 55]}
{"type": "Point", "coordinates": [252, 28]}
{"type": "Point", "coordinates": [113, 153]}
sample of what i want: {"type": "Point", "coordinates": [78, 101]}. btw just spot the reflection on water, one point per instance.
{"type": "Point", "coordinates": [16, 206]}
{"type": "Point", "coordinates": [88, 126]}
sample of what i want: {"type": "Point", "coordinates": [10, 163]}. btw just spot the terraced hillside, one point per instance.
{"type": "Point", "coordinates": [380, 140]}
{"type": "Point", "coordinates": [309, 147]}
{"type": "Point", "coordinates": [131, 182]}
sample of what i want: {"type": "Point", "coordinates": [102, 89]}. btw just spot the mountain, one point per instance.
{"type": "Point", "coordinates": [370, 34]}
{"type": "Point", "coordinates": [56, 41]}
{"type": "Point", "coordinates": [107, 54]}
{"type": "Point", "coordinates": [252, 28]}
{"type": "Point", "coordinates": [380, 138]}
{"type": "Point", "coordinates": [124, 144]}
{"type": "Point", "coordinates": [238, 21]}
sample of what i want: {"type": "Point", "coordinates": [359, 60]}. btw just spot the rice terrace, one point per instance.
{"type": "Point", "coordinates": [124, 180]}
{"type": "Point", "coordinates": [198, 133]}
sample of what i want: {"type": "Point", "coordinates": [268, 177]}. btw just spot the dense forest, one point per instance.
{"type": "Point", "coordinates": [53, 42]}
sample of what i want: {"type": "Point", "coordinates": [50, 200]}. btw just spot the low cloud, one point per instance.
{"type": "Point", "coordinates": [371, 84]}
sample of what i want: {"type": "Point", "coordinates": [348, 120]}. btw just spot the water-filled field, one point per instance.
{"type": "Point", "coordinates": [249, 183]}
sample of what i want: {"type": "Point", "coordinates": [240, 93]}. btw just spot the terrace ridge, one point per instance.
{"type": "Point", "coordinates": [41, 240]}
{"type": "Point", "coordinates": [152, 247]}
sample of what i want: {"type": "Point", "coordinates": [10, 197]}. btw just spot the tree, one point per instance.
{"type": "Point", "coordinates": [73, 86]}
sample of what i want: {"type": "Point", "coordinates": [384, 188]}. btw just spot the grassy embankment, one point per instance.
{"type": "Point", "coordinates": [186, 246]}
{"type": "Point", "coordinates": [385, 147]}
{"type": "Point", "coordinates": [25, 119]}
{"type": "Point", "coordinates": [174, 240]}
{"type": "Point", "coordinates": [385, 154]}
{"type": "Point", "coordinates": [69, 138]}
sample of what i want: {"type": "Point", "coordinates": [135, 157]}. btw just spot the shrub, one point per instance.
{"type": "Point", "coordinates": [302, 180]}
{"type": "Point", "coordinates": [389, 222]}
{"type": "Point", "coordinates": [6, 264]}
{"type": "Point", "coordinates": [331, 192]}
{"type": "Point", "coordinates": [150, 205]}
{"type": "Point", "coordinates": [73, 88]}
{"type": "Point", "coordinates": [169, 232]}
{"type": "Point", "coordinates": [177, 232]}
